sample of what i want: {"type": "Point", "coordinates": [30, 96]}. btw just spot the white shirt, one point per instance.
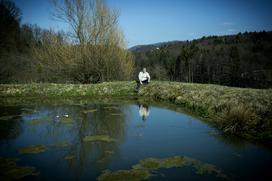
{"type": "Point", "coordinates": [144, 76]}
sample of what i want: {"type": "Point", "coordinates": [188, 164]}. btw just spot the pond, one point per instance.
{"type": "Point", "coordinates": [120, 140]}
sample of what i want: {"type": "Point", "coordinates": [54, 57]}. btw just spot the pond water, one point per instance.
{"type": "Point", "coordinates": [132, 141]}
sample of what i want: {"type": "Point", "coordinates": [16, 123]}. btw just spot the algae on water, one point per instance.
{"type": "Point", "coordinates": [93, 138]}
{"type": "Point", "coordinates": [61, 144]}
{"type": "Point", "coordinates": [111, 107]}
{"type": "Point", "coordinates": [150, 166]}
{"type": "Point", "coordinates": [9, 170]}
{"type": "Point", "coordinates": [89, 111]}
{"type": "Point", "coordinates": [125, 175]}
{"type": "Point", "coordinates": [109, 152]}
{"type": "Point", "coordinates": [116, 114]}
{"type": "Point", "coordinates": [32, 149]}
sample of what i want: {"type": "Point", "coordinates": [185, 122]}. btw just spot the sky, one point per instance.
{"type": "Point", "coordinates": [153, 21]}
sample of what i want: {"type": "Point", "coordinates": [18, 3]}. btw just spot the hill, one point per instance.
{"type": "Point", "coordinates": [243, 60]}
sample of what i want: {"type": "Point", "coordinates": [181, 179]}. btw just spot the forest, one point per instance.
{"type": "Point", "coordinates": [242, 60]}
{"type": "Point", "coordinates": [92, 51]}
{"type": "Point", "coordinates": [95, 51]}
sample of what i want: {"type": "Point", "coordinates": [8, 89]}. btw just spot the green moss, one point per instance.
{"type": "Point", "coordinates": [150, 167]}
{"type": "Point", "coordinates": [103, 138]}
{"type": "Point", "coordinates": [111, 107]}
{"type": "Point", "coordinates": [89, 111]}
{"type": "Point", "coordinates": [156, 163]}
{"type": "Point", "coordinates": [176, 161]}
{"type": "Point", "coordinates": [61, 144]}
{"type": "Point", "coordinates": [124, 175]}
{"type": "Point", "coordinates": [11, 171]}
{"type": "Point", "coordinates": [32, 149]}
{"type": "Point", "coordinates": [116, 114]}
{"type": "Point", "coordinates": [149, 163]}
{"type": "Point", "coordinates": [109, 152]}
{"type": "Point", "coordinates": [204, 168]}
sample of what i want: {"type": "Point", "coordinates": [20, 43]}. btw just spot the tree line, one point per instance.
{"type": "Point", "coordinates": [92, 51]}
{"type": "Point", "coordinates": [242, 60]}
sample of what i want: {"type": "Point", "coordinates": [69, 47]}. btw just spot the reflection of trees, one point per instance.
{"type": "Point", "coordinates": [106, 120]}
{"type": "Point", "coordinates": [10, 122]}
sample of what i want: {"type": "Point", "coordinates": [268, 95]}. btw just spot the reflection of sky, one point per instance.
{"type": "Point", "coordinates": [152, 21]}
{"type": "Point", "coordinates": [165, 133]}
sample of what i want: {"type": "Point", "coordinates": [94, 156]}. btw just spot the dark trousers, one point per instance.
{"type": "Point", "coordinates": [139, 84]}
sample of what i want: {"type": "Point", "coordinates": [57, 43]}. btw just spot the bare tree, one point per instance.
{"type": "Point", "coordinates": [99, 41]}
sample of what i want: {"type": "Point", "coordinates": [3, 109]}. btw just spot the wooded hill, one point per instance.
{"type": "Point", "coordinates": [242, 60]}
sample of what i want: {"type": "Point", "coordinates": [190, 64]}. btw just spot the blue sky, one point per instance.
{"type": "Point", "coordinates": [152, 21]}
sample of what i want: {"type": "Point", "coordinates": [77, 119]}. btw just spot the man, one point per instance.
{"type": "Point", "coordinates": [144, 78]}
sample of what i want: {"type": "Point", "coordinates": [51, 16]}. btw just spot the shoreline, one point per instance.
{"type": "Point", "coordinates": [242, 112]}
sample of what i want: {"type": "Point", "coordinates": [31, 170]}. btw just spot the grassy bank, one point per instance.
{"type": "Point", "coordinates": [242, 112]}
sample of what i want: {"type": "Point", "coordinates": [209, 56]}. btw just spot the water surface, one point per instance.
{"type": "Point", "coordinates": [132, 132]}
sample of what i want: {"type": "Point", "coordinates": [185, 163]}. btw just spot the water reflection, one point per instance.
{"type": "Point", "coordinates": [63, 129]}
{"type": "Point", "coordinates": [144, 111]}
{"type": "Point", "coordinates": [10, 122]}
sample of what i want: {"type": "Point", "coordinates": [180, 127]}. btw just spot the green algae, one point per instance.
{"type": "Point", "coordinates": [149, 163]}
{"type": "Point", "coordinates": [70, 157]}
{"type": "Point", "coordinates": [124, 175]}
{"type": "Point", "coordinates": [61, 144]}
{"type": "Point", "coordinates": [94, 138]}
{"type": "Point", "coordinates": [156, 163]}
{"type": "Point", "coordinates": [116, 114]}
{"type": "Point", "coordinates": [32, 149]}
{"type": "Point", "coordinates": [11, 171]}
{"type": "Point", "coordinates": [111, 107]}
{"type": "Point", "coordinates": [150, 167]}
{"type": "Point", "coordinates": [89, 111]}
{"type": "Point", "coordinates": [109, 152]}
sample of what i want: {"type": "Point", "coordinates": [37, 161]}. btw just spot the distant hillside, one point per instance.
{"type": "Point", "coordinates": [243, 60]}
{"type": "Point", "coordinates": [144, 48]}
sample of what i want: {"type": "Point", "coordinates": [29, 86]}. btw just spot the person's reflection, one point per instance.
{"type": "Point", "coordinates": [143, 111]}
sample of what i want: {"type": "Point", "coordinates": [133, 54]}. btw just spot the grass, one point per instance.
{"type": "Point", "coordinates": [242, 112]}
